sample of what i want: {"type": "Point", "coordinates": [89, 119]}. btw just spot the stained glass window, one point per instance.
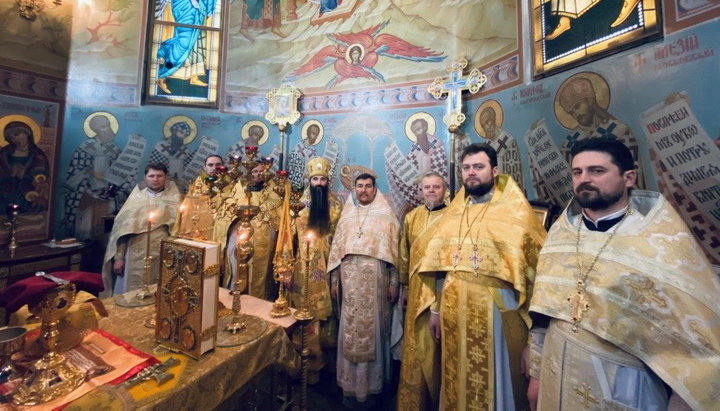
{"type": "Point", "coordinates": [184, 52]}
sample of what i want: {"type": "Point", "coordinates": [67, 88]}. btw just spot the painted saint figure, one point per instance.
{"type": "Point", "coordinates": [183, 55]}
{"type": "Point", "coordinates": [90, 196]}
{"type": "Point", "coordinates": [488, 123]}
{"type": "Point", "coordinates": [173, 151]}
{"type": "Point", "coordinates": [23, 166]}
{"type": "Point", "coordinates": [303, 151]}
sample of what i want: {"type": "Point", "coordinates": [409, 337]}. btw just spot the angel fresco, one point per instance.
{"type": "Point", "coordinates": [355, 55]}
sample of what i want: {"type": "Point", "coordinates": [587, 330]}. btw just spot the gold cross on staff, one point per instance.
{"type": "Point", "coordinates": [453, 86]}
{"type": "Point", "coordinates": [584, 392]}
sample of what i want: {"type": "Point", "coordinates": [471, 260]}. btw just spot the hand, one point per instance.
{"type": "Point", "coordinates": [392, 293]}
{"type": "Point", "coordinates": [119, 267]}
{"type": "Point", "coordinates": [434, 325]}
{"type": "Point", "coordinates": [532, 393]}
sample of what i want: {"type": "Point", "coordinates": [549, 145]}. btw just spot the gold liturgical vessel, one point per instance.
{"type": "Point", "coordinates": [238, 328]}
{"type": "Point", "coordinates": [283, 262]}
{"type": "Point", "coordinates": [53, 376]}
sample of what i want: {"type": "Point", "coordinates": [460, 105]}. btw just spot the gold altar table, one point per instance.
{"type": "Point", "coordinates": [205, 383]}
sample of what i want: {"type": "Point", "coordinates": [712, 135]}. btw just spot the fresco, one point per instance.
{"type": "Point", "coordinates": [40, 45]}
{"type": "Point", "coordinates": [396, 42]}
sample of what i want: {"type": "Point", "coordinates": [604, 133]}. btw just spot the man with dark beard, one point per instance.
{"type": "Point", "coordinates": [476, 269]}
{"type": "Point", "coordinates": [316, 224]}
{"type": "Point", "coordinates": [625, 307]}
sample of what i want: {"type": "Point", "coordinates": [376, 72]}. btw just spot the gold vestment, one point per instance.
{"type": "Point", "coordinates": [499, 243]}
{"type": "Point", "coordinates": [132, 221]}
{"type": "Point", "coordinates": [420, 368]}
{"type": "Point", "coordinates": [652, 294]}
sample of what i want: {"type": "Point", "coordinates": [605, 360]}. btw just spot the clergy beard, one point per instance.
{"type": "Point", "coordinates": [591, 198]}
{"type": "Point", "coordinates": [319, 215]}
{"type": "Point", "coordinates": [479, 190]}
{"type": "Point", "coordinates": [257, 186]}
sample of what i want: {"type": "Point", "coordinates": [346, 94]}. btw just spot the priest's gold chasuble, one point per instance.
{"type": "Point", "coordinates": [651, 300]}
{"type": "Point", "coordinates": [487, 250]}
{"type": "Point", "coordinates": [420, 367]}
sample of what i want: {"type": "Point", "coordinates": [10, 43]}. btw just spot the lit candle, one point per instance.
{"type": "Point", "coordinates": [283, 173]}
{"type": "Point", "coordinates": [151, 216]}
{"type": "Point", "coordinates": [12, 210]}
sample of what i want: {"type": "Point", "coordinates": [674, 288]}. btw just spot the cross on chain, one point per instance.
{"type": "Point", "coordinates": [453, 86]}
{"type": "Point", "coordinates": [475, 258]}
{"type": "Point", "coordinates": [456, 257]}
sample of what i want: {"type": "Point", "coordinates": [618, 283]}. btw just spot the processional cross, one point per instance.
{"type": "Point", "coordinates": [453, 86]}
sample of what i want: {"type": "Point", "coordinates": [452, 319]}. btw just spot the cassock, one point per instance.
{"type": "Point", "coordinates": [129, 236]}
{"type": "Point", "coordinates": [488, 252]}
{"type": "Point", "coordinates": [365, 251]}
{"type": "Point", "coordinates": [651, 317]}
{"type": "Point", "coordinates": [420, 368]}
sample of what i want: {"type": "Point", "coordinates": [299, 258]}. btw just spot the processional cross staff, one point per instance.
{"type": "Point", "coordinates": [453, 86]}
{"type": "Point", "coordinates": [282, 111]}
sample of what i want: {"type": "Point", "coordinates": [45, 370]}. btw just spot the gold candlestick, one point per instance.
{"type": "Point", "coordinates": [240, 328]}
{"type": "Point", "coordinates": [305, 317]}
{"type": "Point", "coordinates": [181, 211]}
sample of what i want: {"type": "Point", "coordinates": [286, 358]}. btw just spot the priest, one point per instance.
{"type": "Point", "coordinates": [420, 370]}
{"type": "Point", "coordinates": [316, 225]}
{"type": "Point", "coordinates": [477, 268]}
{"type": "Point", "coordinates": [362, 261]}
{"type": "Point", "coordinates": [150, 210]}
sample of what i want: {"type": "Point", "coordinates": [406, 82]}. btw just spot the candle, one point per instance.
{"type": "Point", "coordinates": [283, 173]}
{"type": "Point", "coordinates": [12, 210]}
{"type": "Point", "coordinates": [181, 210]}
{"type": "Point", "coordinates": [151, 216]}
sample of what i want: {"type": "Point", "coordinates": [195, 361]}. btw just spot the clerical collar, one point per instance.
{"type": "Point", "coordinates": [605, 222]}
{"type": "Point", "coordinates": [481, 199]}
{"type": "Point", "coordinates": [436, 208]}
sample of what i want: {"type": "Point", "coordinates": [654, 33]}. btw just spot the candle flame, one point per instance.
{"type": "Point", "coordinates": [182, 208]}
{"type": "Point", "coordinates": [310, 236]}
{"type": "Point", "coordinates": [151, 216]}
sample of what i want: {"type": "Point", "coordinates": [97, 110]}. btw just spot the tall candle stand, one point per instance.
{"type": "Point", "coordinates": [305, 317]}
{"type": "Point", "coordinates": [240, 328]}
{"type": "Point", "coordinates": [11, 224]}
{"type": "Point", "coordinates": [146, 295]}
{"type": "Point", "coordinates": [284, 267]}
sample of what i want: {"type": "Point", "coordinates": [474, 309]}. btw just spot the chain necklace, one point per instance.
{"type": "Point", "coordinates": [579, 303]}
{"type": "Point", "coordinates": [475, 258]}
{"type": "Point", "coordinates": [360, 232]}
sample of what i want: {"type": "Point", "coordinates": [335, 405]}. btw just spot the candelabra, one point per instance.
{"type": "Point", "coordinates": [305, 317]}
{"type": "Point", "coordinates": [239, 328]}
{"type": "Point", "coordinates": [284, 264]}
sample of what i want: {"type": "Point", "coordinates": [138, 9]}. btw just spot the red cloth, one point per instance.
{"type": "Point", "coordinates": [31, 289]}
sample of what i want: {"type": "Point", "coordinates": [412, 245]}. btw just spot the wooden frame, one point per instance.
{"type": "Point", "coordinates": [587, 30]}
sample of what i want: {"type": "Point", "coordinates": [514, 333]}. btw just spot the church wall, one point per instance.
{"type": "Point", "coordinates": [361, 118]}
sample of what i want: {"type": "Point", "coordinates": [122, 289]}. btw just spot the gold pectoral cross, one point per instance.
{"type": "Point", "coordinates": [456, 257]}
{"type": "Point", "coordinates": [579, 305]}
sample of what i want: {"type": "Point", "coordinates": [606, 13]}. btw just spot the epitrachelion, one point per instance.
{"type": "Point", "coordinates": [187, 296]}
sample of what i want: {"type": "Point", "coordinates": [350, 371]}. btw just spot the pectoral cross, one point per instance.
{"type": "Point", "coordinates": [359, 232]}
{"type": "Point", "coordinates": [579, 305]}
{"type": "Point", "coordinates": [456, 257]}
{"type": "Point", "coordinates": [475, 258]}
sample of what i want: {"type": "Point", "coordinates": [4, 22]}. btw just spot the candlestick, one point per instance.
{"type": "Point", "coordinates": [181, 210]}
{"type": "Point", "coordinates": [304, 312]}
{"type": "Point", "coordinates": [150, 221]}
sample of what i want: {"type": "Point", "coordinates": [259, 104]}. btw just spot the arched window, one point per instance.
{"type": "Point", "coordinates": [184, 52]}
